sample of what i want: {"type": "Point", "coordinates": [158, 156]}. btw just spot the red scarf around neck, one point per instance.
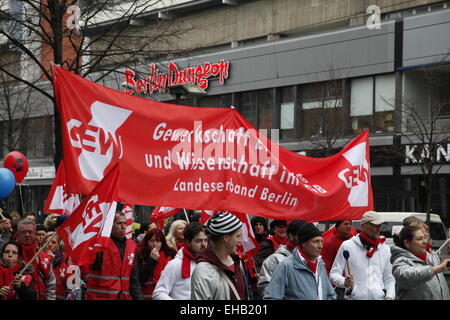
{"type": "Point", "coordinates": [28, 251]}
{"type": "Point", "coordinates": [276, 241]}
{"type": "Point", "coordinates": [311, 265]}
{"type": "Point", "coordinates": [290, 245]}
{"type": "Point", "coordinates": [373, 243]}
{"type": "Point", "coordinates": [422, 257]}
{"type": "Point", "coordinates": [179, 245]}
{"type": "Point", "coordinates": [186, 263]}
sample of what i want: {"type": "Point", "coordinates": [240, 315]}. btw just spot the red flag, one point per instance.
{"type": "Point", "coordinates": [58, 200]}
{"type": "Point", "coordinates": [249, 244]}
{"type": "Point", "coordinates": [128, 211]}
{"type": "Point", "coordinates": [205, 215]}
{"type": "Point", "coordinates": [84, 231]}
{"type": "Point", "coordinates": [159, 214]}
{"type": "Point", "coordinates": [192, 157]}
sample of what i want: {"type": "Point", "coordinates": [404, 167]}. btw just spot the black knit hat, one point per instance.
{"type": "Point", "coordinates": [294, 226]}
{"type": "Point", "coordinates": [338, 223]}
{"type": "Point", "coordinates": [277, 223]}
{"type": "Point", "coordinates": [223, 223]}
{"type": "Point", "coordinates": [261, 220]}
{"type": "Point", "coordinates": [308, 231]}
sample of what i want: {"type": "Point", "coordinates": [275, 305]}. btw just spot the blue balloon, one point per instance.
{"type": "Point", "coordinates": [7, 182]}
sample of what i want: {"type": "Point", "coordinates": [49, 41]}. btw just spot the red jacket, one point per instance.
{"type": "Point", "coordinates": [61, 278]}
{"type": "Point", "coordinates": [7, 276]}
{"type": "Point", "coordinates": [331, 243]}
{"type": "Point", "coordinates": [112, 281]}
{"type": "Point", "coordinates": [41, 269]}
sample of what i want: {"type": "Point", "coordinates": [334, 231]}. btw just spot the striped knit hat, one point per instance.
{"type": "Point", "coordinates": [223, 223]}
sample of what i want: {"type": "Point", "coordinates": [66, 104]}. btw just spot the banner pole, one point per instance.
{"type": "Point", "coordinates": [438, 250]}
{"type": "Point", "coordinates": [185, 213]}
{"type": "Point", "coordinates": [37, 253]}
{"type": "Point", "coordinates": [21, 199]}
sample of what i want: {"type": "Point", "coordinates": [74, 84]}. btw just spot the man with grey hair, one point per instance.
{"type": "Point", "coordinates": [219, 274]}
{"type": "Point", "coordinates": [368, 258]}
{"type": "Point", "coordinates": [43, 276]}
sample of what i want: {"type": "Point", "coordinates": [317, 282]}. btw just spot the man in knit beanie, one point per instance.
{"type": "Point", "coordinates": [302, 276]}
{"type": "Point", "coordinates": [271, 262]}
{"type": "Point", "coordinates": [219, 274]}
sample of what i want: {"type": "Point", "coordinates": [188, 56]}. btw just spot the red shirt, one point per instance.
{"type": "Point", "coordinates": [331, 244]}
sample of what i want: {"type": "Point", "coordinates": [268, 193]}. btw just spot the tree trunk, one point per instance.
{"type": "Point", "coordinates": [429, 189]}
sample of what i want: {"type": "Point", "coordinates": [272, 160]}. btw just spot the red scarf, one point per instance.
{"type": "Point", "coordinates": [339, 236]}
{"type": "Point", "coordinates": [28, 251]}
{"type": "Point", "coordinates": [428, 247]}
{"type": "Point", "coordinates": [276, 241]}
{"type": "Point", "coordinates": [311, 265]}
{"type": "Point", "coordinates": [422, 257]}
{"type": "Point", "coordinates": [162, 262]}
{"type": "Point", "coordinates": [179, 245]}
{"type": "Point", "coordinates": [186, 263]}
{"type": "Point", "coordinates": [9, 275]}
{"type": "Point", "coordinates": [373, 243]}
{"type": "Point", "coordinates": [290, 245]}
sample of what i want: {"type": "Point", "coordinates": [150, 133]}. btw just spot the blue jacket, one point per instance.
{"type": "Point", "coordinates": [294, 280]}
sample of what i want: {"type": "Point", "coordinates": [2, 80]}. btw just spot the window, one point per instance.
{"type": "Point", "coordinates": [219, 101]}
{"type": "Point", "coordinates": [361, 104]}
{"type": "Point", "coordinates": [16, 31]}
{"type": "Point", "coordinates": [265, 109]}
{"type": "Point", "coordinates": [247, 107]}
{"type": "Point", "coordinates": [384, 103]}
{"type": "Point", "coordinates": [287, 108]}
{"type": "Point", "coordinates": [372, 103]}
{"type": "Point", "coordinates": [208, 102]}
{"type": "Point", "coordinates": [322, 113]}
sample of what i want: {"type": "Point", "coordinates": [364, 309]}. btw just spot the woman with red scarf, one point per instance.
{"type": "Point", "coordinates": [153, 256]}
{"type": "Point", "coordinates": [13, 287]}
{"type": "Point", "coordinates": [55, 250]}
{"type": "Point", "coordinates": [278, 229]}
{"type": "Point", "coordinates": [175, 237]}
{"type": "Point", "coordinates": [417, 274]}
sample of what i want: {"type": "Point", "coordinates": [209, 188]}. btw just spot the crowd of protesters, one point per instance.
{"type": "Point", "coordinates": [190, 260]}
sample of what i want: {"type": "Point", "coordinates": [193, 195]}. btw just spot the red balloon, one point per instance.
{"type": "Point", "coordinates": [17, 163]}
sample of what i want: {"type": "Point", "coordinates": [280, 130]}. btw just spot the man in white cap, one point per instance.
{"type": "Point", "coordinates": [219, 274]}
{"type": "Point", "coordinates": [370, 275]}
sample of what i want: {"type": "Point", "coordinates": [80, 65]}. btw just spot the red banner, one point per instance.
{"type": "Point", "coordinates": [201, 158]}
{"type": "Point", "coordinates": [159, 214]}
{"type": "Point", "coordinates": [58, 200]}
{"type": "Point", "coordinates": [83, 232]}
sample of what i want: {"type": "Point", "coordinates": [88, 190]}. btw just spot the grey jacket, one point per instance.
{"type": "Point", "coordinates": [414, 279]}
{"type": "Point", "coordinates": [269, 265]}
{"type": "Point", "coordinates": [293, 280]}
{"type": "Point", "coordinates": [207, 283]}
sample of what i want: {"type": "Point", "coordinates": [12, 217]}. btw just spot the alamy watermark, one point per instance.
{"type": "Point", "coordinates": [374, 20]}
{"type": "Point", "coordinates": [73, 21]}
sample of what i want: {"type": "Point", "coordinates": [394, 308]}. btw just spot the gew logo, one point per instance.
{"type": "Point", "coordinates": [356, 176]}
{"type": "Point", "coordinates": [97, 139]}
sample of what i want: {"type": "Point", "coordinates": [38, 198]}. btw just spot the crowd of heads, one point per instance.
{"type": "Point", "coordinates": [221, 228]}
